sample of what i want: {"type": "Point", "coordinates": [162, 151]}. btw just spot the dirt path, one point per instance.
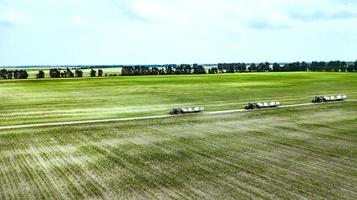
{"type": "Point", "coordinates": [138, 118]}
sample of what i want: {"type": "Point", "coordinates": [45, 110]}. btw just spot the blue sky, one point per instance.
{"type": "Point", "coordinates": [59, 32]}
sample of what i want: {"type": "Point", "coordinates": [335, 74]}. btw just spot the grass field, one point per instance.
{"type": "Point", "coordinates": [307, 152]}
{"type": "Point", "coordinates": [296, 153]}
{"type": "Point", "coordinates": [48, 100]}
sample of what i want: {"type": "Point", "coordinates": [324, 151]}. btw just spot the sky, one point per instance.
{"type": "Point", "coordinates": [106, 32]}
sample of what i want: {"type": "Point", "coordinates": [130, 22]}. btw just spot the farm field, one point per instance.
{"type": "Point", "coordinates": [57, 100]}
{"type": "Point", "coordinates": [295, 153]}
{"type": "Point", "coordinates": [285, 153]}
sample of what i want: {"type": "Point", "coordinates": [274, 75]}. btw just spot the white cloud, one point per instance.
{"type": "Point", "coordinates": [13, 18]}
{"type": "Point", "coordinates": [253, 13]}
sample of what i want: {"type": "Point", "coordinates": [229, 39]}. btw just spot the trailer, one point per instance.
{"type": "Point", "coordinates": [178, 111]}
{"type": "Point", "coordinates": [252, 106]}
{"type": "Point", "coordinates": [325, 99]}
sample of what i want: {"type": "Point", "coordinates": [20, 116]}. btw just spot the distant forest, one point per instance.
{"type": "Point", "coordinates": [332, 66]}
{"type": "Point", "coordinates": [172, 69]}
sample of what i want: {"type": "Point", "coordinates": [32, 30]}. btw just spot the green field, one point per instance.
{"type": "Point", "coordinates": [307, 152]}
{"type": "Point", "coordinates": [48, 100]}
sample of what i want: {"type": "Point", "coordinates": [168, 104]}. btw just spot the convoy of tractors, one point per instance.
{"type": "Point", "coordinates": [261, 105]}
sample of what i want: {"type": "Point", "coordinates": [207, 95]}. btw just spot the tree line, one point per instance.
{"type": "Point", "coordinates": [13, 74]}
{"type": "Point", "coordinates": [166, 70]}
{"type": "Point", "coordinates": [332, 66]}
{"type": "Point", "coordinates": [68, 73]}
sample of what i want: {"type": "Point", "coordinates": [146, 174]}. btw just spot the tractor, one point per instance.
{"type": "Point", "coordinates": [252, 106]}
{"type": "Point", "coordinates": [318, 100]}
{"type": "Point", "coordinates": [325, 99]}
{"type": "Point", "coordinates": [178, 111]}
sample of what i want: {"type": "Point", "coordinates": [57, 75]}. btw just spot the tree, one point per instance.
{"type": "Point", "coordinates": [155, 71]}
{"type": "Point", "coordinates": [78, 73]}
{"type": "Point", "coordinates": [199, 69]}
{"type": "Point", "coordinates": [3, 74]}
{"type": "Point", "coordinates": [343, 66]}
{"type": "Point", "coordinates": [169, 69]}
{"type": "Point", "coordinates": [24, 74]}
{"type": "Point", "coordinates": [9, 75]}
{"type": "Point", "coordinates": [127, 71]}
{"type": "Point", "coordinates": [276, 67]}
{"type": "Point", "coordinates": [20, 74]}
{"type": "Point", "coordinates": [40, 74]}
{"type": "Point", "coordinates": [100, 72]}
{"type": "Point", "coordinates": [322, 66]}
{"type": "Point", "coordinates": [92, 73]}
{"type": "Point", "coordinates": [314, 66]}
{"type": "Point", "coordinates": [187, 69]}
{"type": "Point", "coordinates": [181, 68]}
{"type": "Point", "coordinates": [260, 67]}
{"type": "Point", "coordinates": [304, 66]}
{"type": "Point", "coordinates": [252, 67]}
{"type": "Point", "coordinates": [213, 70]}
{"type": "Point", "coordinates": [229, 67]}
{"type": "Point", "coordinates": [55, 73]}
{"type": "Point", "coordinates": [242, 67]}
{"type": "Point", "coordinates": [265, 67]}
{"type": "Point", "coordinates": [220, 68]}
{"type": "Point", "coordinates": [330, 66]}
{"type": "Point", "coordinates": [69, 73]}
{"type": "Point", "coordinates": [350, 68]}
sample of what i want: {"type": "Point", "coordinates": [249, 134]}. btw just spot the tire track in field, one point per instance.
{"type": "Point", "coordinates": [318, 152]}
{"type": "Point", "coordinates": [146, 117]}
{"type": "Point", "coordinates": [167, 176]}
{"type": "Point", "coordinates": [284, 169]}
{"type": "Point", "coordinates": [316, 166]}
{"type": "Point", "coordinates": [250, 191]}
{"type": "Point", "coordinates": [8, 190]}
{"type": "Point", "coordinates": [218, 181]}
{"type": "Point", "coordinates": [92, 187]}
{"type": "Point", "coordinates": [231, 159]}
{"type": "Point", "coordinates": [28, 170]}
{"type": "Point", "coordinates": [247, 167]}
